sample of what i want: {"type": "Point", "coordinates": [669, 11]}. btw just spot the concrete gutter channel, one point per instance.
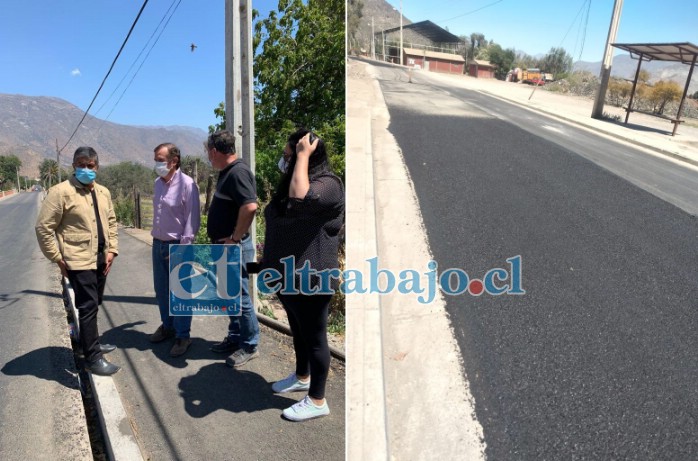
{"type": "Point", "coordinates": [120, 443]}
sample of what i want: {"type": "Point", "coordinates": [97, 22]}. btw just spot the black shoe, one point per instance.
{"type": "Point", "coordinates": [107, 348]}
{"type": "Point", "coordinates": [225, 346]}
{"type": "Point", "coordinates": [162, 334]}
{"type": "Point", "coordinates": [101, 367]}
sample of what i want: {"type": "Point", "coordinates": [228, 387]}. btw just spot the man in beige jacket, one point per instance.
{"type": "Point", "coordinates": [76, 229]}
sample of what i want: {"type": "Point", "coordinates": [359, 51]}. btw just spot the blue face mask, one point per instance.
{"type": "Point", "coordinates": [85, 175]}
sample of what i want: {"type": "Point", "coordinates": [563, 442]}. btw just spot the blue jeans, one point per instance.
{"type": "Point", "coordinates": [244, 329]}
{"type": "Point", "coordinates": [161, 282]}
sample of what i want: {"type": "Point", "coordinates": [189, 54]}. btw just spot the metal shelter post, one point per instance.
{"type": "Point", "coordinates": [685, 92]}
{"type": "Point", "coordinates": [632, 93]}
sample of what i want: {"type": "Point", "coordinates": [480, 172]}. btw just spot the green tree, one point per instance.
{"type": "Point", "coordinates": [525, 61]}
{"type": "Point", "coordinates": [299, 64]}
{"type": "Point", "coordinates": [9, 165]}
{"type": "Point", "coordinates": [299, 75]}
{"type": "Point", "coordinates": [123, 177]}
{"type": "Point", "coordinates": [48, 172]}
{"type": "Point", "coordinates": [502, 59]}
{"type": "Point", "coordinates": [557, 62]}
{"type": "Point", "coordinates": [197, 168]}
{"type": "Point", "coordinates": [477, 41]}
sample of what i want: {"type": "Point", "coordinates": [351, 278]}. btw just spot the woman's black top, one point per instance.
{"type": "Point", "coordinates": [307, 228]}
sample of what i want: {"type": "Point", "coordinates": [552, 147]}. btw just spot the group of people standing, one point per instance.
{"type": "Point", "coordinates": [77, 230]}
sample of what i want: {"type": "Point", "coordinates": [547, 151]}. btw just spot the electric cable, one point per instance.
{"type": "Point", "coordinates": [470, 12]}
{"type": "Point", "coordinates": [145, 2]}
{"type": "Point", "coordinates": [135, 61]}
{"type": "Point", "coordinates": [586, 24]}
{"type": "Point", "coordinates": [142, 62]}
{"type": "Point", "coordinates": [574, 21]}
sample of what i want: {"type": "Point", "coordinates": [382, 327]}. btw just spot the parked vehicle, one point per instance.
{"type": "Point", "coordinates": [530, 76]}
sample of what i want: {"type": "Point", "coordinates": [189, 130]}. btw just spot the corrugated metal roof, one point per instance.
{"type": "Point", "coordinates": [434, 54]}
{"type": "Point", "coordinates": [429, 30]}
{"type": "Point", "coordinates": [679, 52]}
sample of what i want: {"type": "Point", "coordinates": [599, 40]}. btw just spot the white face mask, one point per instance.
{"type": "Point", "coordinates": [161, 169]}
{"type": "Point", "coordinates": [283, 165]}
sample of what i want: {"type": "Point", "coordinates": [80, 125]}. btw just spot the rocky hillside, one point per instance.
{"type": "Point", "coordinates": [30, 126]}
{"type": "Point", "coordinates": [624, 67]}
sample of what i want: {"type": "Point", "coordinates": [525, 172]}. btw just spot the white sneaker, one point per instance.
{"type": "Point", "coordinates": [306, 409]}
{"type": "Point", "coordinates": [290, 384]}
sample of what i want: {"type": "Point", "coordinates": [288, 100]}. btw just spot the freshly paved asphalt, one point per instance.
{"type": "Point", "coordinates": [597, 360]}
{"type": "Point", "coordinates": [41, 411]}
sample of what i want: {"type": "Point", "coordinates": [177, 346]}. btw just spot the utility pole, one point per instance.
{"type": "Point", "coordinates": [383, 43]}
{"type": "Point", "coordinates": [400, 32]}
{"type": "Point", "coordinates": [373, 41]}
{"type": "Point", "coordinates": [239, 95]}
{"type": "Point", "coordinates": [597, 113]}
{"type": "Point", "coordinates": [58, 161]}
{"type": "Point", "coordinates": [233, 74]}
{"type": "Point", "coordinates": [18, 186]}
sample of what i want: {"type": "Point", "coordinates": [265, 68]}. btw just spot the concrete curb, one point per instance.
{"type": "Point", "coordinates": [367, 425]}
{"type": "Point", "coordinates": [119, 440]}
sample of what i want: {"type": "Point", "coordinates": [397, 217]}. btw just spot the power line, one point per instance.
{"type": "Point", "coordinates": [586, 24]}
{"type": "Point", "coordinates": [471, 12]}
{"type": "Point", "coordinates": [145, 2]}
{"type": "Point", "coordinates": [135, 61]}
{"type": "Point", "coordinates": [144, 59]}
{"type": "Point", "coordinates": [574, 21]}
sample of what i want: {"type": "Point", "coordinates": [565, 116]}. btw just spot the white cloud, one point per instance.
{"type": "Point", "coordinates": [75, 72]}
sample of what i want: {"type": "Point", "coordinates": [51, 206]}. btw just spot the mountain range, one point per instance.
{"type": "Point", "coordinates": [624, 66]}
{"type": "Point", "coordinates": [30, 127]}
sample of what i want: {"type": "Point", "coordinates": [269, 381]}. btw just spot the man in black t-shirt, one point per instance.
{"type": "Point", "coordinates": [229, 218]}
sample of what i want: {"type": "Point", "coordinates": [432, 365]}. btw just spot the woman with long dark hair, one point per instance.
{"type": "Point", "coordinates": [303, 220]}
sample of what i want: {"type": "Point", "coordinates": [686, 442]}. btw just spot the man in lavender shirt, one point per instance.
{"type": "Point", "coordinates": [176, 218]}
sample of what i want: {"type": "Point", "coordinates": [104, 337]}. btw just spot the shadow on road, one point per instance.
{"type": "Point", "coordinates": [51, 363]}
{"type": "Point", "coordinates": [635, 127]}
{"type": "Point", "coordinates": [132, 299]}
{"type": "Point", "coordinates": [8, 299]}
{"type": "Point", "coordinates": [125, 337]}
{"type": "Point", "coordinates": [217, 387]}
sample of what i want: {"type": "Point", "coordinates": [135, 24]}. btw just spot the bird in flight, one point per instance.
{"type": "Point", "coordinates": [193, 47]}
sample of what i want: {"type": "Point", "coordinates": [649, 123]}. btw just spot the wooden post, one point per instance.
{"type": "Point", "coordinates": [136, 209]}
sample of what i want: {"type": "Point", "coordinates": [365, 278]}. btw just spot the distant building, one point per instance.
{"type": "Point", "coordinates": [425, 45]}
{"type": "Point", "coordinates": [434, 61]}
{"type": "Point", "coordinates": [481, 69]}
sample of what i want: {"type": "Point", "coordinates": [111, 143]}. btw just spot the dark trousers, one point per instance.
{"type": "Point", "coordinates": [307, 317]}
{"type": "Point", "coordinates": [88, 286]}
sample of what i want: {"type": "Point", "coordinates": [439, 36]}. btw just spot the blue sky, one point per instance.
{"type": "Point", "coordinates": [64, 49]}
{"type": "Point", "coordinates": [536, 26]}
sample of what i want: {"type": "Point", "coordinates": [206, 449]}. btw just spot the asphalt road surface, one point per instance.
{"type": "Point", "coordinates": [598, 359]}
{"type": "Point", "coordinates": [41, 411]}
